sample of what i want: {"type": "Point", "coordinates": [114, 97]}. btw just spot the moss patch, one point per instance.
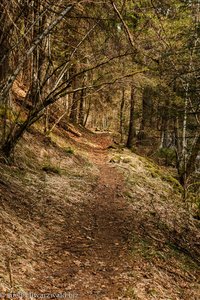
{"type": "Point", "coordinates": [52, 169]}
{"type": "Point", "coordinates": [155, 171]}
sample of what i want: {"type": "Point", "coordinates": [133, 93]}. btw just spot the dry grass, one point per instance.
{"type": "Point", "coordinates": [165, 238]}
{"type": "Point", "coordinates": [33, 197]}
{"type": "Point", "coordinates": [106, 230]}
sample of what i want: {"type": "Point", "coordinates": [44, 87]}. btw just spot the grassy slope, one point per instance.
{"type": "Point", "coordinates": [48, 187]}
{"type": "Point", "coordinates": [165, 239]}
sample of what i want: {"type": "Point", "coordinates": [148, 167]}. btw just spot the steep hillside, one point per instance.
{"type": "Point", "coordinates": [81, 218]}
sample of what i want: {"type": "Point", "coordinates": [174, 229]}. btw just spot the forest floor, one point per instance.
{"type": "Point", "coordinates": [93, 223]}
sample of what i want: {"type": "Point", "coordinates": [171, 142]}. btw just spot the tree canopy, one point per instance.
{"type": "Point", "coordinates": [127, 66]}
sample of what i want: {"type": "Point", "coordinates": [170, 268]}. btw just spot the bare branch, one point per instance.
{"type": "Point", "coordinates": [10, 81]}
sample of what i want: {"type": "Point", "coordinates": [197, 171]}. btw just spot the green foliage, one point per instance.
{"type": "Point", "coordinates": [69, 151]}
{"type": "Point", "coordinates": [156, 172]}
{"type": "Point", "coordinates": [131, 294]}
{"type": "Point", "coordinates": [6, 111]}
{"type": "Point", "coordinates": [52, 169]}
{"type": "Point", "coordinates": [132, 20]}
{"type": "Point", "coordinates": [168, 155]}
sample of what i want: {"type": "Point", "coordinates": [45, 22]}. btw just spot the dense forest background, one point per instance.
{"type": "Point", "coordinates": [130, 67]}
{"type": "Point", "coordinates": [99, 149]}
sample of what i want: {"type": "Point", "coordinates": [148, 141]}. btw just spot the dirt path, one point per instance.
{"type": "Point", "coordinates": [88, 255]}
{"type": "Point", "coordinates": [82, 234]}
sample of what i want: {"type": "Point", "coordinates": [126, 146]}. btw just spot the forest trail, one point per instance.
{"type": "Point", "coordinates": [89, 257]}
{"type": "Point", "coordinates": [94, 231]}
{"type": "Point", "coordinates": [99, 150]}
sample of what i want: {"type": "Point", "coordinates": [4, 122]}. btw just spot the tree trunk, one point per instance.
{"type": "Point", "coordinates": [176, 134]}
{"type": "Point", "coordinates": [132, 131]}
{"type": "Point", "coordinates": [4, 63]}
{"type": "Point", "coordinates": [46, 121]}
{"type": "Point", "coordinates": [73, 117]}
{"type": "Point", "coordinates": [87, 112]}
{"type": "Point", "coordinates": [146, 107]}
{"type": "Point", "coordinates": [146, 112]}
{"type": "Point", "coordinates": [122, 114]}
{"type": "Point", "coordinates": [81, 107]}
{"type": "Point", "coordinates": [17, 132]}
{"type": "Point", "coordinates": [164, 143]}
{"type": "Point", "coordinates": [74, 108]}
{"type": "Point", "coordinates": [8, 146]}
{"type": "Point", "coordinates": [187, 167]}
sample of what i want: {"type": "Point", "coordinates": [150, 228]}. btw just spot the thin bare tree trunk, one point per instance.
{"type": "Point", "coordinates": [87, 113]}
{"type": "Point", "coordinates": [131, 132]}
{"type": "Point", "coordinates": [81, 107]}
{"type": "Point", "coordinates": [122, 114]}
